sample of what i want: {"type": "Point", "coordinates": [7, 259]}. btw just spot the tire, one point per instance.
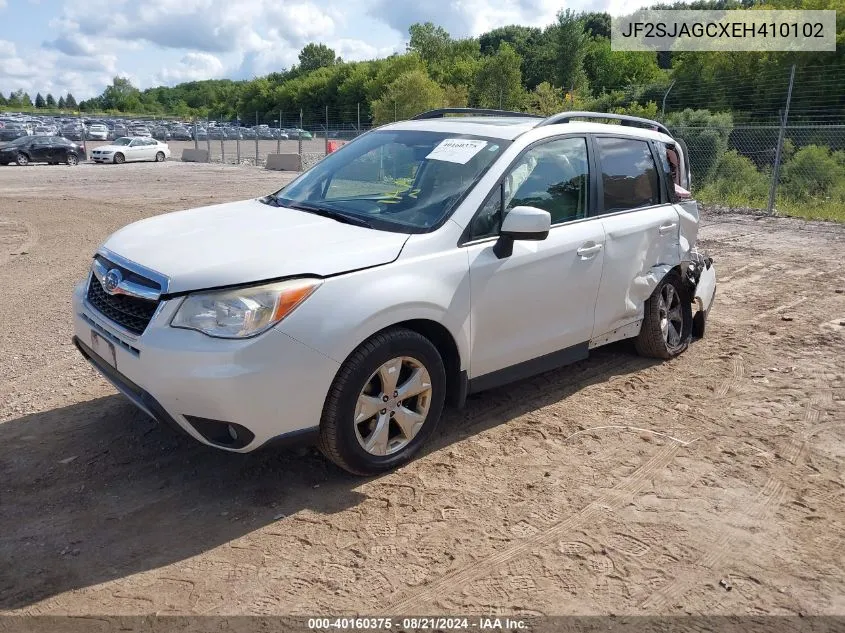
{"type": "Point", "coordinates": [661, 335]}
{"type": "Point", "coordinates": [119, 159]}
{"type": "Point", "coordinates": [22, 159]}
{"type": "Point", "coordinates": [160, 157]}
{"type": "Point", "coordinates": [344, 441]}
{"type": "Point", "coordinates": [72, 160]}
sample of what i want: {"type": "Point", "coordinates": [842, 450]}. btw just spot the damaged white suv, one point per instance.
{"type": "Point", "coordinates": [423, 261]}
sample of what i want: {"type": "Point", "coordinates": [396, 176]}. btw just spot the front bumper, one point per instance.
{"type": "Point", "coordinates": [102, 158]}
{"type": "Point", "coordinates": [272, 386]}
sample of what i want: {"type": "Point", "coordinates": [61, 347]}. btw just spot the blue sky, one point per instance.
{"type": "Point", "coordinates": [56, 46]}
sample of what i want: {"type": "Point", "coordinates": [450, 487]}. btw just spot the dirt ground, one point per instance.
{"type": "Point", "coordinates": [532, 500]}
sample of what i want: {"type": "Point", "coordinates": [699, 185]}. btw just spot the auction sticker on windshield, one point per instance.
{"type": "Point", "coordinates": [456, 150]}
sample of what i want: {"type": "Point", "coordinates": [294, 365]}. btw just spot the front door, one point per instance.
{"type": "Point", "coordinates": [540, 301]}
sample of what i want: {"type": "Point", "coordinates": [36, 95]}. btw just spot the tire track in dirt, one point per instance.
{"type": "Point", "coordinates": [737, 374]}
{"type": "Point", "coordinates": [16, 236]}
{"type": "Point", "coordinates": [766, 504]}
{"type": "Point", "coordinates": [612, 500]}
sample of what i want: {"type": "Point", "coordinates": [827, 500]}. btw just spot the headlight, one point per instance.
{"type": "Point", "coordinates": [107, 151]}
{"type": "Point", "coordinates": [242, 312]}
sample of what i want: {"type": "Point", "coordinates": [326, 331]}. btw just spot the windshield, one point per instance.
{"type": "Point", "coordinates": [399, 180]}
{"type": "Point", "coordinates": [122, 141]}
{"type": "Point", "coordinates": [20, 141]}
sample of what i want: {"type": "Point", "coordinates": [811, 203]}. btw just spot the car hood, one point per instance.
{"type": "Point", "coordinates": [247, 241]}
{"type": "Point", "coordinates": [111, 148]}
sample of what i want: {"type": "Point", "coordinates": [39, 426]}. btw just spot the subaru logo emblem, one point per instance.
{"type": "Point", "coordinates": [112, 280]}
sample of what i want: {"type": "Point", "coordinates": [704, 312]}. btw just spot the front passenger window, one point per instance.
{"type": "Point", "coordinates": [553, 176]}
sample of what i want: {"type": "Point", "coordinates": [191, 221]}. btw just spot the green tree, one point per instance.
{"type": "Point", "coordinates": [23, 99]}
{"type": "Point", "coordinates": [597, 24]}
{"type": "Point", "coordinates": [432, 43]}
{"type": "Point", "coordinates": [411, 93]}
{"type": "Point", "coordinates": [545, 99]}
{"type": "Point", "coordinates": [314, 56]}
{"type": "Point", "coordinates": [121, 95]}
{"type": "Point", "coordinates": [51, 102]}
{"type": "Point", "coordinates": [39, 101]}
{"type": "Point", "coordinates": [610, 70]}
{"type": "Point", "coordinates": [61, 102]}
{"type": "Point", "coordinates": [498, 83]}
{"type": "Point", "coordinates": [706, 134]}
{"type": "Point", "coordinates": [70, 102]}
{"type": "Point", "coordinates": [571, 43]}
{"type": "Point", "coordinates": [3, 100]}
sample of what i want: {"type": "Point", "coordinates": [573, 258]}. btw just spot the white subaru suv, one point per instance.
{"type": "Point", "coordinates": [425, 260]}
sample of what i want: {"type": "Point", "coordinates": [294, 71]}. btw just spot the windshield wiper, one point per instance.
{"type": "Point", "coordinates": [326, 213]}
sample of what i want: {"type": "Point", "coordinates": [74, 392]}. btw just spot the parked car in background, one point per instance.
{"type": "Point", "coordinates": [296, 133]}
{"type": "Point", "coordinates": [180, 133]}
{"type": "Point", "coordinates": [161, 133]}
{"type": "Point", "coordinates": [140, 130]}
{"type": "Point", "coordinates": [11, 131]}
{"type": "Point", "coordinates": [41, 149]}
{"type": "Point", "coordinates": [45, 130]}
{"type": "Point", "coordinates": [280, 134]}
{"type": "Point", "coordinates": [117, 131]}
{"type": "Point", "coordinates": [131, 149]}
{"type": "Point", "coordinates": [248, 133]}
{"type": "Point", "coordinates": [97, 132]}
{"type": "Point", "coordinates": [73, 131]}
{"type": "Point", "coordinates": [220, 133]}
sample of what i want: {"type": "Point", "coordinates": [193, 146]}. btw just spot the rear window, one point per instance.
{"type": "Point", "coordinates": [629, 175]}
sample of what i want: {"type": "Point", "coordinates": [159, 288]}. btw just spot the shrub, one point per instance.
{"type": "Point", "coordinates": [813, 172]}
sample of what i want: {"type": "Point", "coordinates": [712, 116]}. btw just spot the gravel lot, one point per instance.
{"type": "Point", "coordinates": [531, 500]}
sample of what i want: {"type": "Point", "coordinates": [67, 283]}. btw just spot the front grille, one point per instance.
{"type": "Point", "coordinates": [131, 313]}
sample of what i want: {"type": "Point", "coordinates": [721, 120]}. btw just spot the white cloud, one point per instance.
{"type": "Point", "coordinates": [192, 67]}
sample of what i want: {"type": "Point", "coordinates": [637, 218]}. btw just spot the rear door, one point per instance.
{"type": "Point", "coordinates": [640, 225]}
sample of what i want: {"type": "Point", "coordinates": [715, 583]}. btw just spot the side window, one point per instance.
{"type": "Point", "coordinates": [629, 174]}
{"type": "Point", "coordinates": [553, 176]}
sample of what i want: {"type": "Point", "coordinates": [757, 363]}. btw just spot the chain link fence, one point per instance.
{"type": "Point", "coordinates": [741, 168]}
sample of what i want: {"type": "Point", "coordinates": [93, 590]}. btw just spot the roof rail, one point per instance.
{"type": "Point", "coordinates": [442, 112]}
{"type": "Point", "coordinates": [624, 119]}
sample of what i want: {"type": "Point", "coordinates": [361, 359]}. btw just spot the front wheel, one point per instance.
{"type": "Point", "coordinates": [667, 320]}
{"type": "Point", "coordinates": [22, 159]}
{"type": "Point", "coordinates": [160, 157]}
{"type": "Point", "coordinates": [119, 159]}
{"type": "Point", "coordinates": [72, 160]}
{"type": "Point", "coordinates": [384, 403]}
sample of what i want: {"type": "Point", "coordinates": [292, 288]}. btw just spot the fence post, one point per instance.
{"type": "Point", "coordinates": [279, 136]}
{"type": "Point", "coordinates": [779, 149]}
{"type": "Point", "coordinates": [663, 106]}
{"type": "Point", "coordinates": [208, 136]}
{"type": "Point", "coordinates": [326, 152]}
{"type": "Point", "coordinates": [196, 140]}
{"type": "Point", "coordinates": [238, 136]}
{"type": "Point", "coordinates": [222, 152]}
{"type": "Point", "coordinates": [255, 129]}
{"type": "Point", "coordinates": [84, 143]}
{"type": "Point", "coordinates": [299, 134]}
{"type": "Point", "coordinates": [359, 118]}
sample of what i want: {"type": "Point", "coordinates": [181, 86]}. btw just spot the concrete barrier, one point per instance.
{"type": "Point", "coordinates": [284, 162]}
{"type": "Point", "coordinates": [195, 155]}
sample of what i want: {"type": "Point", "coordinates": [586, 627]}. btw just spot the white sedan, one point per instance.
{"type": "Point", "coordinates": [128, 148]}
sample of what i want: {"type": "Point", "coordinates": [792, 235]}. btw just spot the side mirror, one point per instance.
{"type": "Point", "coordinates": [522, 223]}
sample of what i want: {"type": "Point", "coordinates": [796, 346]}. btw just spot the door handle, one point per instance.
{"type": "Point", "coordinates": [666, 228]}
{"type": "Point", "coordinates": [588, 250]}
